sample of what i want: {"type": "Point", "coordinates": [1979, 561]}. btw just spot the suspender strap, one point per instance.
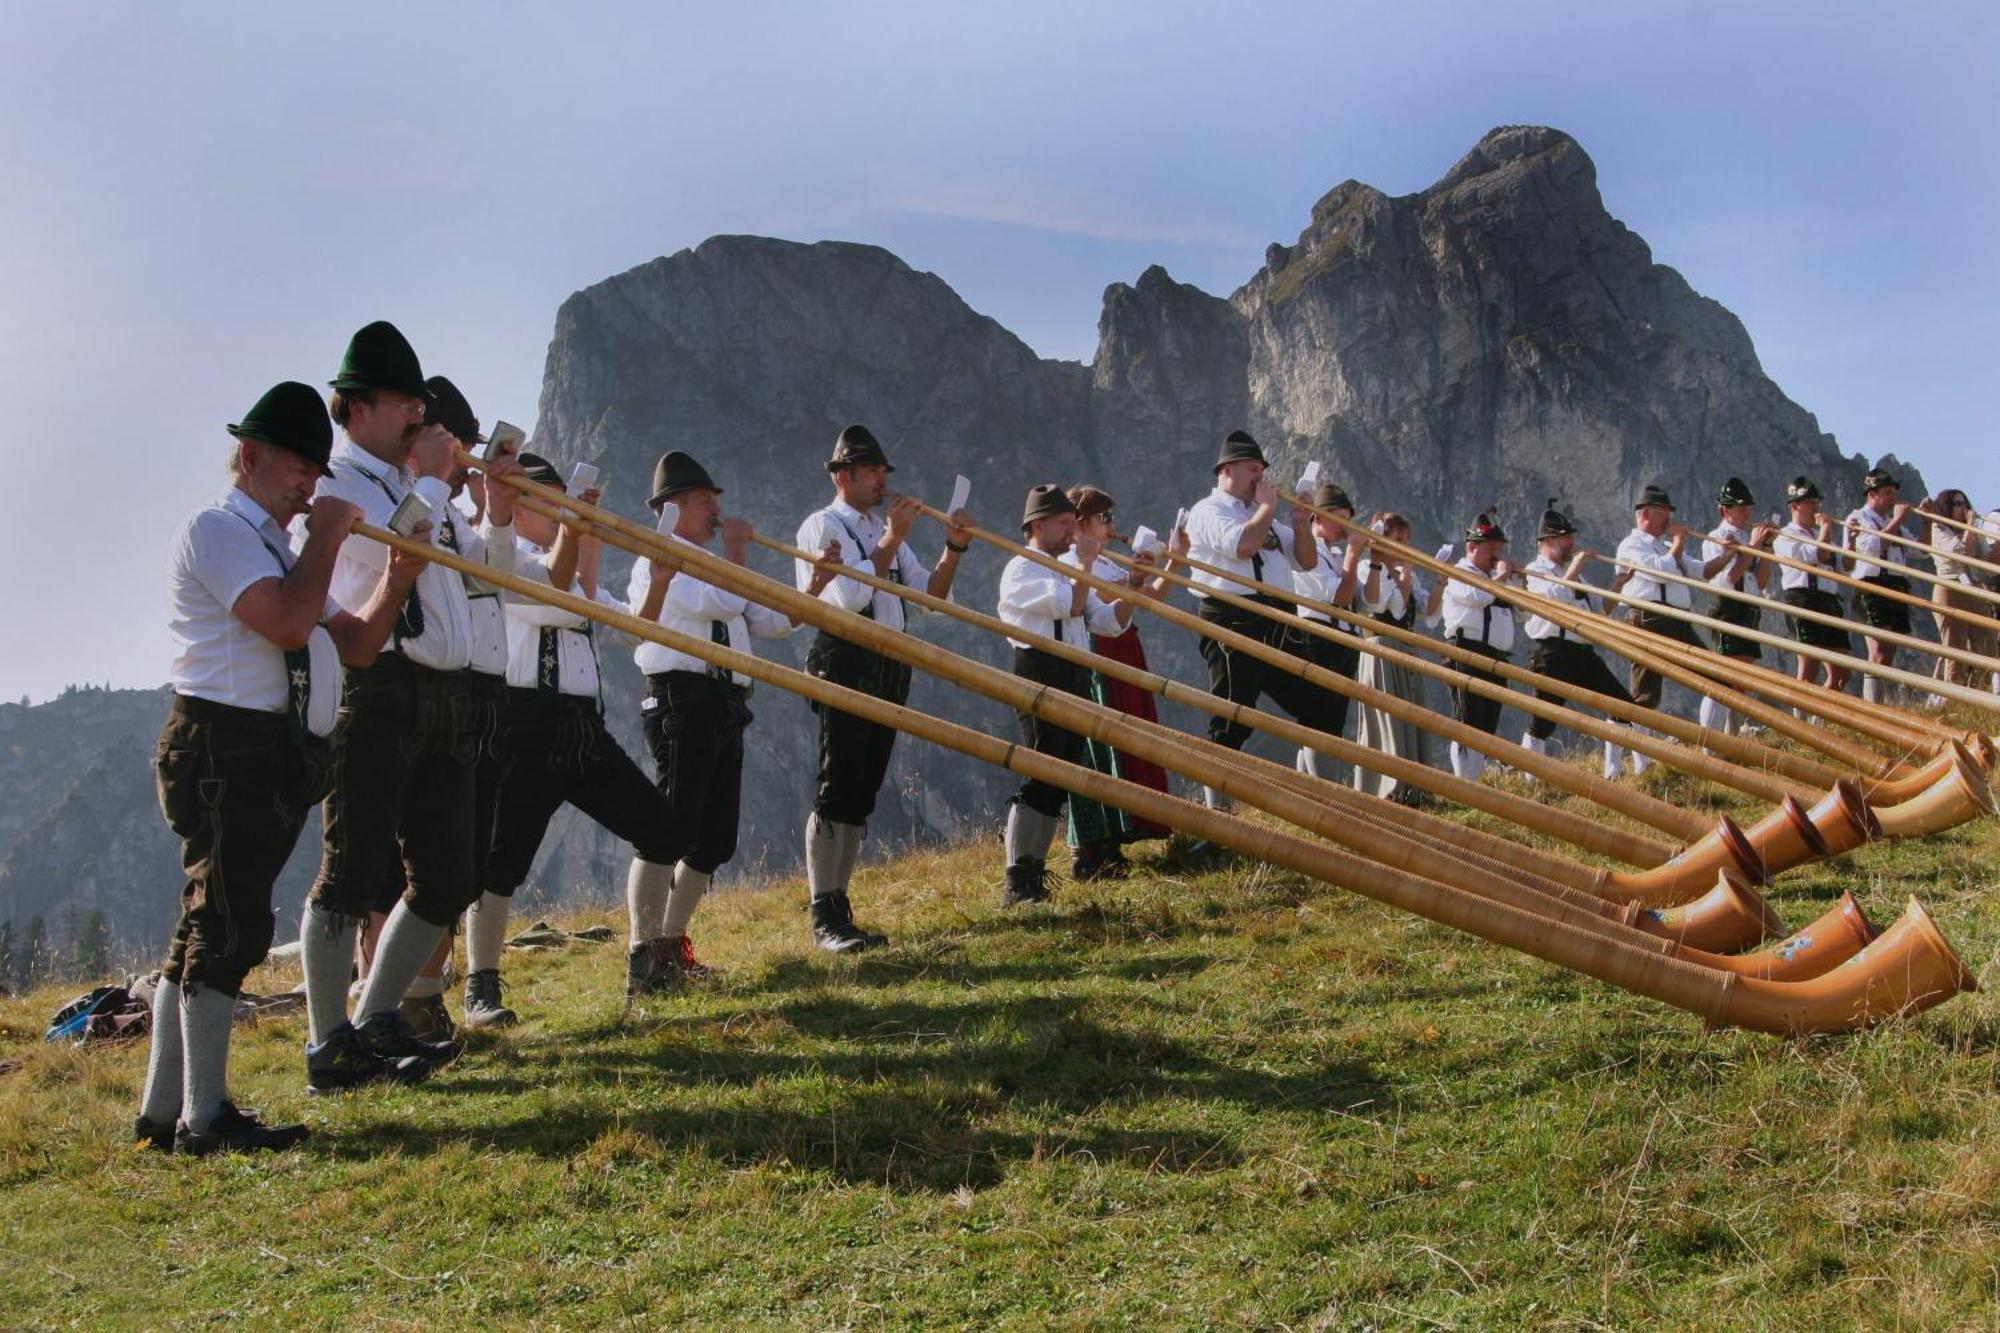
{"type": "Point", "coordinates": [298, 661]}
{"type": "Point", "coordinates": [409, 620]}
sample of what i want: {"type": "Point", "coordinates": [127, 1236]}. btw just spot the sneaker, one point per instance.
{"type": "Point", "coordinates": [427, 1017]}
{"type": "Point", "coordinates": [237, 1131]}
{"type": "Point", "coordinates": [1027, 882]}
{"type": "Point", "coordinates": [156, 1134]}
{"type": "Point", "coordinates": [648, 969]}
{"type": "Point", "coordinates": [388, 1035]}
{"type": "Point", "coordinates": [483, 1008]}
{"type": "Point", "coordinates": [681, 948]}
{"type": "Point", "coordinates": [345, 1061]}
{"type": "Point", "coordinates": [833, 926]}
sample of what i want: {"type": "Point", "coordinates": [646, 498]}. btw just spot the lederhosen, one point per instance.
{"type": "Point", "coordinates": [694, 723]}
{"type": "Point", "coordinates": [563, 753]}
{"type": "Point", "coordinates": [1046, 737]}
{"type": "Point", "coordinates": [1342, 659]}
{"type": "Point", "coordinates": [235, 785]}
{"type": "Point", "coordinates": [1736, 611]}
{"type": "Point", "coordinates": [1886, 613]}
{"type": "Point", "coordinates": [854, 752]}
{"type": "Point", "coordinates": [404, 781]}
{"type": "Point", "coordinates": [1564, 657]}
{"type": "Point", "coordinates": [1476, 710]}
{"type": "Point", "coordinates": [1816, 633]}
{"type": "Point", "coordinates": [1242, 679]}
{"type": "Point", "coordinates": [1648, 685]}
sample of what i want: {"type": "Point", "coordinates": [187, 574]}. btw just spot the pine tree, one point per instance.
{"type": "Point", "coordinates": [7, 953]}
{"type": "Point", "coordinates": [93, 946]}
{"type": "Point", "coordinates": [35, 960]}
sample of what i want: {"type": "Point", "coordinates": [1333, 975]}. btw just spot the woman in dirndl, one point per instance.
{"type": "Point", "coordinates": [1098, 833]}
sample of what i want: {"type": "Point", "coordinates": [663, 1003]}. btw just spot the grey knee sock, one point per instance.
{"type": "Point", "coordinates": [851, 837]}
{"type": "Point", "coordinates": [326, 952]}
{"type": "Point", "coordinates": [1029, 833]}
{"type": "Point", "coordinates": [406, 945]}
{"type": "Point", "coordinates": [823, 845]}
{"type": "Point", "coordinates": [161, 1101]}
{"type": "Point", "coordinates": [689, 886]}
{"type": "Point", "coordinates": [206, 1014]}
{"type": "Point", "coordinates": [647, 888]}
{"type": "Point", "coordinates": [1871, 689]}
{"type": "Point", "coordinates": [1214, 799]}
{"type": "Point", "coordinates": [486, 932]}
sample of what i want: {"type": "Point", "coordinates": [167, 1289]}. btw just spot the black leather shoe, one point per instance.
{"type": "Point", "coordinates": [388, 1035]}
{"type": "Point", "coordinates": [238, 1131]}
{"type": "Point", "coordinates": [833, 926]}
{"type": "Point", "coordinates": [156, 1134]}
{"type": "Point", "coordinates": [345, 1061]}
{"type": "Point", "coordinates": [1027, 882]}
{"type": "Point", "coordinates": [483, 1008]}
{"type": "Point", "coordinates": [428, 1018]}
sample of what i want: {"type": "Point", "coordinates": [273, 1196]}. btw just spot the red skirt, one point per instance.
{"type": "Point", "coordinates": [1134, 702]}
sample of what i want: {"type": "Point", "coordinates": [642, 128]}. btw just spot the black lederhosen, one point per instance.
{"type": "Point", "coordinates": [1476, 710]}
{"type": "Point", "coordinates": [562, 753]}
{"type": "Point", "coordinates": [1241, 678]}
{"type": "Point", "coordinates": [235, 786]}
{"type": "Point", "coordinates": [1341, 659]}
{"type": "Point", "coordinates": [1045, 737]}
{"type": "Point", "coordinates": [1736, 611]}
{"type": "Point", "coordinates": [853, 752]}
{"type": "Point", "coordinates": [1886, 613]}
{"type": "Point", "coordinates": [1572, 662]}
{"type": "Point", "coordinates": [694, 724]}
{"type": "Point", "coordinates": [1648, 685]}
{"type": "Point", "coordinates": [403, 779]}
{"type": "Point", "coordinates": [1814, 633]}
{"type": "Point", "coordinates": [488, 694]}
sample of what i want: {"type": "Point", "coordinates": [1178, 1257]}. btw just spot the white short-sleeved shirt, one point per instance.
{"type": "Point", "coordinates": [1649, 552]}
{"type": "Point", "coordinates": [858, 535]}
{"type": "Point", "coordinates": [1322, 581]}
{"type": "Point", "coordinates": [1540, 571]}
{"type": "Point", "coordinates": [1712, 548]}
{"type": "Point", "coordinates": [1882, 557]}
{"type": "Point", "coordinates": [1475, 613]}
{"type": "Point", "coordinates": [1037, 599]}
{"type": "Point", "coordinates": [1797, 543]}
{"type": "Point", "coordinates": [224, 549]}
{"type": "Point", "coordinates": [547, 644]}
{"type": "Point", "coordinates": [1215, 527]}
{"type": "Point", "coordinates": [1389, 600]}
{"type": "Point", "coordinates": [696, 609]}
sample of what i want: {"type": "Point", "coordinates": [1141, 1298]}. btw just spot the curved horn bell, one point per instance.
{"type": "Point", "coordinates": [1794, 835]}
{"type": "Point", "coordinates": [1953, 799]}
{"type": "Point", "coordinates": [1727, 919]}
{"type": "Point", "coordinates": [1894, 791]}
{"type": "Point", "coordinates": [1906, 969]}
{"type": "Point", "coordinates": [1842, 931]}
{"type": "Point", "coordinates": [1692, 870]}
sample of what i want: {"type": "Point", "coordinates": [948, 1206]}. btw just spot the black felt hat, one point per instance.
{"type": "Point", "coordinates": [857, 447]}
{"type": "Point", "coordinates": [677, 472]}
{"type": "Point", "coordinates": [1239, 448]}
{"type": "Point", "coordinates": [1554, 523]}
{"type": "Point", "coordinates": [1802, 488]}
{"type": "Point", "coordinates": [1046, 501]}
{"type": "Point", "coordinates": [292, 416]}
{"type": "Point", "coordinates": [449, 409]}
{"type": "Point", "coordinates": [1484, 529]}
{"type": "Point", "coordinates": [1735, 491]}
{"type": "Point", "coordinates": [380, 357]}
{"type": "Point", "coordinates": [1326, 495]}
{"type": "Point", "coordinates": [1653, 495]}
{"type": "Point", "coordinates": [1877, 478]}
{"type": "Point", "coordinates": [538, 469]}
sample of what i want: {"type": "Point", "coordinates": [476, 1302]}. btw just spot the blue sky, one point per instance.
{"type": "Point", "coordinates": [199, 201]}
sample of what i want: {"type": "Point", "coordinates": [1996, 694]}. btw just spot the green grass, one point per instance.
{"type": "Point", "coordinates": [1231, 1098]}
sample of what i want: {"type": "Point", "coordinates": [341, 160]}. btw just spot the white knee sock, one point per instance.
{"type": "Point", "coordinates": [823, 839]}
{"type": "Point", "coordinates": [647, 887]}
{"type": "Point", "coordinates": [689, 886]}
{"type": "Point", "coordinates": [406, 944]}
{"type": "Point", "coordinates": [1467, 762]}
{"type": "Point", "coordinates": [1717, 717]}
{"type": "Point", "coordinates": [1214, 799]}
{"type": "Point", "coordinates": [326, 953]}
{"type": "Point", "coordinates": [1029, 833]}
{"type": "Point", "coordinates": [486, 932]}
{"type": "Point", "coordinates": [1614, 761]}
{"type": "Point", "coordinates": [851, 838]}
{"type": "Point", "coordinates": [1640, 762]}
{"type": "Point", "coordinates": [161, 1101]}
{"type": "Point", "coordinates": [206, 1014]}
{"type": "Point", "coordinates": [1871, 689]}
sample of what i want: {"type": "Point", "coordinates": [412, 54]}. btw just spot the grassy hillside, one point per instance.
{"type": "Point", "coordinates": [1224, 1098]}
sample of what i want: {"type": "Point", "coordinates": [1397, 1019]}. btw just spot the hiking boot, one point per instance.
{"type": "Point", "coordinates": [156, 1134]}
{"type": "Point", "coordinates": [1098, 860]}
{"type": "Point", "coordinates": [427, 1017]}
{"type": "Point", "coordinates": [345, 1061]}
{"type": "Point", "coordinates": [386, 1034]}
{"type": "Point", "coordinates": [833, 926]}
{"type": "Point", "coordinates": [237, 1131]}
{"type": "Point", "coordinates": [681, 950]}
{"type": "Point", "coordinates": [482, 1001]}
{"type": "Point", "coordinates": [1027, 882]}
{"type": "Point", "coordinates": [649, 969]}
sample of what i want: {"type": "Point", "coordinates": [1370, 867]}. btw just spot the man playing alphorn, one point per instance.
{"type": "Point", "coordinates": [1558, 653]}
{"type": "Point", "coordinates": [1728, 562]}
{"type": "Point", "coordinates": [1805, 540]}
{"type": "Point", "coordinates": [1656, 542]}
{"type": "Point", "coordinates": [244, 754]}
{"type": "Point", "coordinates": [1476, 620]}
{"type": "Point", "coordinates": [1334, 578]}
{"type": "Point", "coordinates": [854, 752]}
{"type": "Point", "coordinates": [1881, 563]}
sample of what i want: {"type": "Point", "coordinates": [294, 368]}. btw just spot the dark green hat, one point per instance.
{"type": "Point", "coordinates": [449, 409]}
{"type": "Point", "coordinates": [1653, 495]}
{"type": "Point", "coordinates": [1046, 501]}
{"type": "Point", "coordinates": [1484, 529]}
{"type": "Point", "coordinates": [1554, 523]}
{"type": "Point", "coordinates": [1326, 495]}
{"type": "Point", "coordinates": [1239, 448]}
{"type": "Point", "coordinates": [857, 447]}
{"type": "Point", "coordinates": [380, 357]}
{"type": "Point", "coordinates": [1802, 488]}
{"type": "Point", "coordinates": [538, 469]}
{"type": "Point", "coordinates": [292, 416]}
{"type": "Point", "coordinates": [1877, 478]}
{"type": "Point", "coordinates": [1735, 492]}
{"type": "Point", "coordinates": [677, 472]}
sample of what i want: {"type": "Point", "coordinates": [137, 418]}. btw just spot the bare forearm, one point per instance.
{"type": "Point", "coordinates": [360, 636]}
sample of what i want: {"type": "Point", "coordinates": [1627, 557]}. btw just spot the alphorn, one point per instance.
{"type": "Point", "coordinates": [1961, 525]}
{"type": "Point", "coordinates": [1932, 552]}
{"type": "Point", "coordinates": [1908, 968]}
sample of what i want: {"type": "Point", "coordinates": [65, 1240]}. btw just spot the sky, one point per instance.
{"type": "Point", "coordinates": [197, 201]}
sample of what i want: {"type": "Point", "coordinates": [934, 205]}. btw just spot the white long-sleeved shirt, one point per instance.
{"type": "Point", "coordinates": [1951, 544]}
{"type": "Point", "coordinates": [223, 550]}
{"type": "Point", "coordinates": [447, 638]}
{"type": "Point", "coordinates": [1476, 613]}
{"type": "Point", "coordinates": [1389, 599]}
{"type": "Point", "coordinates": [1038, 599]}
{"type": "Point", "coordinates": [546, 644]}
{"type": "Point", "coordinates": [1322, 581]}
{"type": "Point", "coordinates": [1215, 527]}
{"type": "Point", "coordinates": [1712, 547]}
{"type": "Point", "coordinates": [858, 535]}
{"type": "Point", "coordinates": [1880, 554]}
{"type": "Point", "coordinates": [701, 611]}
{"type": "Point", "coordinates": [1649, 552]}
{"type": "Point", "coordinates": [1539, 571]}
{"type": "Point", "coordinates": [1796, 543]}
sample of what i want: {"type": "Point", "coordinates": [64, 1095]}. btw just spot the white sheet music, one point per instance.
{"type": "Point", "coordinates": [670, 517]}
{"type": "Point", "coordinates": [961, 491]}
